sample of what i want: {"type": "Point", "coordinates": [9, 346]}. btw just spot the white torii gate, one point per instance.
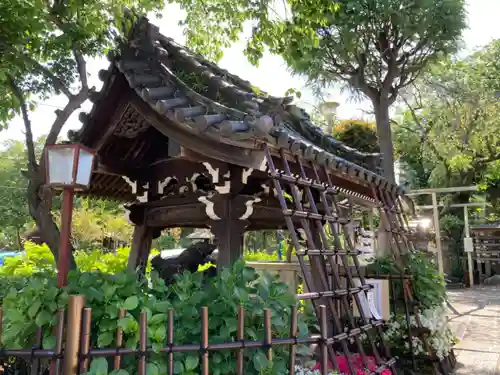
{"type": "Point", "coordinates": [435, 210]}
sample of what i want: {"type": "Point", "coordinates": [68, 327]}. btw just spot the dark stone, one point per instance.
{"type": "Point", "coordinates": [189, 260]}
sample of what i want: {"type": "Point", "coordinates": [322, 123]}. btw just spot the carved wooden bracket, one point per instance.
{"type": "Point", "coordinates": [131, 123]}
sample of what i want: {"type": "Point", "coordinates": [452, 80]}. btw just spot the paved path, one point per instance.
{"type": "Point", "coordinates": [475, 316]}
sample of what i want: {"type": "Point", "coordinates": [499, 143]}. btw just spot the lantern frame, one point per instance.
{"type": "Point", "coordinates": [75, 168]}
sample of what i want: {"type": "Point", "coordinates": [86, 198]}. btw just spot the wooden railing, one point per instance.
{"type": "Point", "coordinates": [73, 353]}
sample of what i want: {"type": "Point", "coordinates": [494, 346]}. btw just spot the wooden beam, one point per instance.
{"type": "Point", "coordinates": [182, 215]}
{"type": "Point", "coordinates": [448, 190]}
{"type": "Point", "coordinates": [96, 130]}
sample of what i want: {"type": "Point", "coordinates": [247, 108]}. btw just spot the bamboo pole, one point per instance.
{"type": "Point", "coordinates": [73, 332]}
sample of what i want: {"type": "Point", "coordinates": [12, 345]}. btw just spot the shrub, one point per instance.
{"type": "Point", "coordinates": [39, 259]}
{"type": "Point", "coordinates": [358, 134]}
{"type": "Point", "coordinates": [33, 301]}
{"type": "Point", "coordinates": [260, 256]}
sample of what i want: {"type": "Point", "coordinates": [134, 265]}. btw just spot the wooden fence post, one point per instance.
{"type": "Point", "coordinates": [73, 331]}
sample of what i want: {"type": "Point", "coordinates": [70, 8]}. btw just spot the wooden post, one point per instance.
{"type": "Point", "coordinates": [437, 228]}
{"type": "Point", "coordinates": [64, 237]}
{"type": "Point", "coordinates": [228, 234]}
{"type": "Point", "coordinates": [141, 247]}
{"type": "Point", "coordinates": [229, 223]}
{"type": "Point", "coordinates": [73, 331]}
{"type": "Point", "coordinates": [469, 254]}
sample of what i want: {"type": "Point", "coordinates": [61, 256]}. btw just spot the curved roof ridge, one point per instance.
{"type": "Point", "coordinates": [146, 62]}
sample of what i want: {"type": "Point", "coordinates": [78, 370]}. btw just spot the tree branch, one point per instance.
{"type": "Point", "coordinates": [74, 101]}
{"type": "Point", "coordinates": [32, 164]}
{"type": "Point", "coordinates": [82, 68]}
{"type": "Point", "coordinates": [63, 115]}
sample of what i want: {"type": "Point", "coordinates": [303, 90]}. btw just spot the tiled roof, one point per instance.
{"type": "Point", "coordinates": [164, 74]}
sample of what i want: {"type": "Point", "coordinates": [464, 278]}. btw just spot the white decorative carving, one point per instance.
{"type": "Point", "coordinates": [225, 189]}
{"type": "Point", "coordinates": [164, 183]}
{"type": "Point", "coordinates": [127, 216]}
{"type": "Point", "coordinates": [245, 174]}
{"type": "Point", "coordinates": [144, 197]}
{"type": "Point", "coordinates": [213, 172]}
{"type": "Point", "coordinates": [249, 208]}
{"type": "Point", "coordinates": [263, 165]}
{"type": "Point", "coordinates": [192, 180]}
{"type": "Point", "coordinates": [209, 208]}
{"type": "Point", "coordinates": [132, 184]}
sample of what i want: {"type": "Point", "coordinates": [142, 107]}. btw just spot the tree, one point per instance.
{"type": "Point", "coordinates": [95, 220]}
{"type": "Point", "coordinates": [376, 47]}
{"type": "Point", "coordinates": [449, 133]}
{"type": "Point", "coordinates": [43, 52]}
{"type": "Point", "coordinates": [14, 213]}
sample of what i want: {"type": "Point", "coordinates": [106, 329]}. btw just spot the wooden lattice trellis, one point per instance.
{"type": "Point", "coordinates": [325, 280]}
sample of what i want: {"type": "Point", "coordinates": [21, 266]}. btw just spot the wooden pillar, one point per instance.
{"type": "Point", "coordinates": [228, 213]}
{"type": "Point", "coordinates": [229, 239]}
{"type": "Point", "coordinates": [228, 229]}
{"type": "Point", "coordinates": [437, 229]}
{"type": "Point", "coordinates": [470, 266]}
{"type": "Point", "coordinates": [141, 247]}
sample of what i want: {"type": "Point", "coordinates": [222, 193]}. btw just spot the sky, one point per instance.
{"type": "Point", "coordinates": [271, 75]}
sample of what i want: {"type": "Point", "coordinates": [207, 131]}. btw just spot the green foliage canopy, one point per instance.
{"type": "Point", "coordinates": [449, 134]}
{"type": "Point", "coordinates": [376, 48]}
{"type": "Point", "coordinates": [44, 44]}
{"type": "Point", "coordinates": [43, 52]}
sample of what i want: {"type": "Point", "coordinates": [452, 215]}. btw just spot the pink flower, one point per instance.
{"type": "Point", "coordinates": [358, 365]}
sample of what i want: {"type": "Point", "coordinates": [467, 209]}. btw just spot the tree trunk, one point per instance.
{"type": "Point", "coordinates": [18, 239]}
{"type": "Point", "coordinates": [385, 138]}
{"type": "Point", "coordinates": [383, 241]}
{"type": "Point", "coordinates": [39, 209]}
{"type": "Point", "coordinates": [40, 201]}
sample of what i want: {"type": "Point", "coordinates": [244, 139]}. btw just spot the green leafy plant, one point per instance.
{"type": "Point", "coordinates": [428, 284]}
{"type": "Point", "coordinates": [31, 302]}
{"type": "Point", "coordinates": [451, 225]}
{"type": "Point", "coordinates": [39, 258]}
{"type": "Point", "coordinates": [260, 256]}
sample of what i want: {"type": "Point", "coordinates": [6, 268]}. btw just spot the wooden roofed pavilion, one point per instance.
{"type": "Point", "coordinates": [180, 141]}
{"type": "Point", "coordinates": [184, 143]}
